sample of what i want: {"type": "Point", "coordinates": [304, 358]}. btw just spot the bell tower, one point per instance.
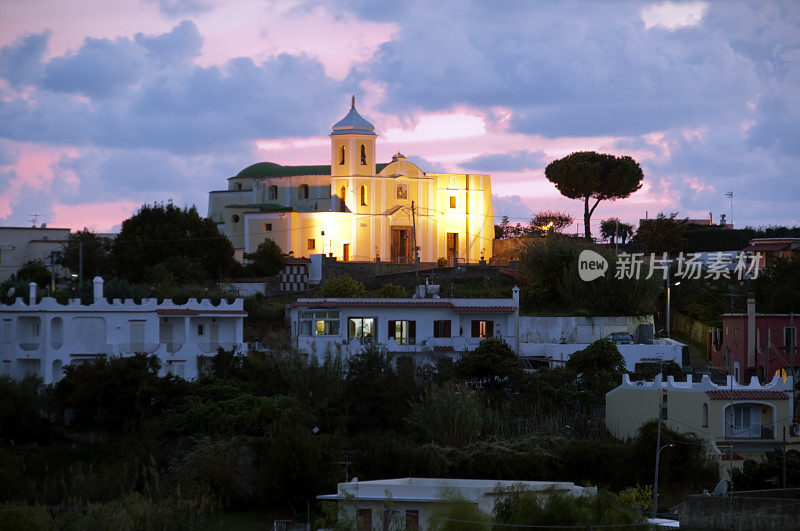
{"type": "Point", "coordinates": [353, 145]}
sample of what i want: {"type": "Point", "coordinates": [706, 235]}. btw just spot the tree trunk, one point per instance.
{"type": "Point", "coordinates": [587, 216]}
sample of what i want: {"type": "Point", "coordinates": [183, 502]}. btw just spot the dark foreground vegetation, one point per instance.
{"type": "Point", "coordinates": [115, 445]}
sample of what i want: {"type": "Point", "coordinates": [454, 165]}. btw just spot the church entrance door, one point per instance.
{"type": "Point", "coordinates": [401, 245]}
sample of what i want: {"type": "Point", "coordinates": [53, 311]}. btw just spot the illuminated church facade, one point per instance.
{"type": "Point", "coordinates": [356, 209]}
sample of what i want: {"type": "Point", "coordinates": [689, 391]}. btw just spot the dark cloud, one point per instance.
{"type": "Point", "coordinates": [101, 68]}
{"type": "Point", "coordinates": [180, 45]}
{"type": "Point", "coordinates": [179, 8]}
{"type": "Point", "coordinates": [21, 62]}
{"type": "Point", "coordinates": [512, 161]}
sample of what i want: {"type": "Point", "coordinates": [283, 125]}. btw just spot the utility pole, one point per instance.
{"type": "Point", "coordinates": [784, 457]}
{"type": "Point", "coordinates": [414, 234]}
{"type": "Point", "coordinates": [80, 264]}
{"type": "Point", "coordinates": [616, 237]}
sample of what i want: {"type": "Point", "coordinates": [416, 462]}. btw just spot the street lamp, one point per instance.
{"type": "Point", "coordinates": [655, 482]}
{"type": "Point", "coordinates": [669, 284]}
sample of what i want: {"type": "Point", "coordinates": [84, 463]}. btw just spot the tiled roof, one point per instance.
{"type": "Point", "coordinates": [746, 394]}
{"type": "Point", "coordinates": [270, 169]}
{"type": "Point", "coordinates": [408, 303]}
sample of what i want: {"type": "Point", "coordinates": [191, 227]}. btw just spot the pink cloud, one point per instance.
{"type": "Point", "coordinates": [99, 217]}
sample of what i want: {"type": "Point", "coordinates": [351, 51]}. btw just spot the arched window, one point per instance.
{"type": "Point", "coordinates": [705, 415]}
{"type": "Point", "coordinates": [341, 161]}
{"type": "Point", "coordinates": [342, 194]}
{"type": "Point", "coordinates": [363, 155]}
{"type": "Point", "coordinates": [363, 195]}
{"type": "Point", "coordinates": [272, 192]}
{"type": "Point", "coordinates": [302, 192]}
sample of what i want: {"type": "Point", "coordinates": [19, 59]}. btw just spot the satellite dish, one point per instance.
{"type": "Point", "coordinates": [722, 488]}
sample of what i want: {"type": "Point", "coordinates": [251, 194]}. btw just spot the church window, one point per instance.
{"type": "Point", "coordinates": [311, 244]}
{"type": "Point", "coordinates": [302, 192]}
{"type": "Point", "coordinates": [452, 201]}
{"type": "Point", "coordinates": [363, 155]}
{"type": "Point", "coordinates": [363, 195]}
{"type": "Point", "coordinates": [341, 160]}
{"type": "Point", "coordinates": [342, 193]}
{"type": "Point", "coordinates": [235, 218]}
{"type": "Point", "coordinates": [272, 192]}
{"type": "Point", "coordinates": [267, 227]}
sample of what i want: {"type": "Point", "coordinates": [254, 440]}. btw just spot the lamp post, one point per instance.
{"type": "Point", "coordinates": [655, 481]}
{"type": "Point", "coordinates": [669, 284]}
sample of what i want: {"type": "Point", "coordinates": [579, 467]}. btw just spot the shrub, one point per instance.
{"type": "Point", "coordinates": [449, 416]}
{"type": "Point", "coordinates": [343, 287]}
{"type": "Point", "coordinates": [15, 516]}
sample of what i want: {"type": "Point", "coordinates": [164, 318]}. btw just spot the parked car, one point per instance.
{"type": "Point", "coordinates": [620, 338]}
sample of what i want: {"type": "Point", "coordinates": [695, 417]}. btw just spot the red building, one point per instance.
{"type": "Point", "coordinates": [751, 344]}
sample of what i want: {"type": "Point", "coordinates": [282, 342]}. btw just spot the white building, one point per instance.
{"type": "Point", "coordinates": [20, 245]}
{"type": "Point", "coordinates": [405, 327]}
{"type": "Point", "coordinates": [407, 502]}
{"type": "Point", "coordinates": [41, 338]}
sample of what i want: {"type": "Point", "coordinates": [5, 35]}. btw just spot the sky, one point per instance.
{"type": "Point", "coordinates": [105, 106]}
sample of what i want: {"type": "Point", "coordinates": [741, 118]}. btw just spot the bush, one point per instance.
{"type": "Point", "coordinates": [15, 516]}
{"type": "Point", "coordinates": [392, 291]}
{"type": "Point", "coordinates": [553, 508]}
{"type": "Point", "coordinates": [448, 416]}
{"type": "Point", "coordinates": [343, 287]}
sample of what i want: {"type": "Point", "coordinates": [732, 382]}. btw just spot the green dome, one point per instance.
{"type": "Point", "coordinates": [270, 169]}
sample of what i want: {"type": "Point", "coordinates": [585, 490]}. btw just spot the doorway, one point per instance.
{"type": "Point", "coordinates": [452, 248]}
{"type": "Point", "coordinates": [401, 245]}
{"type": "Point", "coordinates": [346, 252]}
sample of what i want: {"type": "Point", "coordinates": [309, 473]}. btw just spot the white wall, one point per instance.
{"type": "Point", "coordinates": [577, 329]}
{"type": "Point", "coordinates": [633, 354]}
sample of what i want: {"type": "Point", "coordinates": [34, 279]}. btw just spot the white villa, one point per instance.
{"type": "Point", "coordinates": [406, 503]}
{"type": "Point", "coordinates": [41, 338]}
{"type": "Point", "coordinates": [405, 327]}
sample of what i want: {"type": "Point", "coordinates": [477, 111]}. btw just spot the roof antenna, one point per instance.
{"type": "Point", "coordinates": [353, 102]}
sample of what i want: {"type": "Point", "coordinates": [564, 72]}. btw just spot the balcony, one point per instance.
{"type": "Point", "coordinates": [211, 348]}
{"type": "Point", "coordinates": [29, 347]}
{"type": "Point", "coordinates": [137, 347]}
{"type": "Point", "coordinates": [754, 431]}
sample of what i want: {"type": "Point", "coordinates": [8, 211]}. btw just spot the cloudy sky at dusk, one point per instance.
{"type": "Point", "coordinates": [108, 105]}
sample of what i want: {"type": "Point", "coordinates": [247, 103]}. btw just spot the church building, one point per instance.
{"type": "Point", "coordinates": [356, 209]}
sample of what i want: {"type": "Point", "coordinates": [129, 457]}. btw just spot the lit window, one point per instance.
{"type": "Point", "coordinates": [312, 243]}
{"type": "Point", "coordinates": [361, 328]}
{"type": "Point", "coordinates": [482, 328]}
{"type": "Point", "coordinates": [452, 201]}
{"type": "Point", "coordinates": [319, 323]}
{"type": "Point", "coordinates": [403, 332]}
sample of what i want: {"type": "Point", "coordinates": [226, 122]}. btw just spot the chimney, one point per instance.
{"type": "Point", "coordinates": [751, 329]}
{"type": "Point", "coordinates": [32, 293]}
{"type": "Point", "coordinates": [98, 289]}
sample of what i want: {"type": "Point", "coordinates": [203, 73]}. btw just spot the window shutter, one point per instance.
{"type": "Point", "coordinates": [391, 329]}
{"type": "Point", "coordinates": [412, 329]}
{"type": "Point", "coordinates": [489, 328]}
{"type": "Point", "coordinates": [447, 329]}
{"type": "Point", "coordinates": [476, 328]}
{"type": "Point", "coordinates": [436, 325]}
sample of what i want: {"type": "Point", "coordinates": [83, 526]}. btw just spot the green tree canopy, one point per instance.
{"type": "Point", "coordinates": [594, 176]}
{"type": "Point", "coordinates": [494, 362]}
{"type": "Point", "coordinates": [34, 271]}
{"type": "Point", "coordinates": [600, 366]}
{"type": "Point", "coordinates": [550, 221]}
{"type": "Point", "coordinates": [343, 286]}
{"type": "Point", "coordinates": [95, 252]}
{"type": "Point", "coordinates": [159, 232]}
{"type": "Point", "coordinates": [777, 288]}
{"type": "Point", "coordinates": [662, 234]}
{"type": "Point", "coordinates": [266, 261]}
{"type": "Point", "coordinates": [614, 227]}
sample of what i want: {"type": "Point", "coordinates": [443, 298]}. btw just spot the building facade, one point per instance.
{"type": "Point", "coordinates": [41, 337]}
{"type": "Point", "coordinates": [410, 503]}
{"type": "Point", "coordinates": [737, 421]}
{"type": "Point", "coordinates": [20, 245]}
{"type": "Point", "coordinates": [755, 344]}
{"type": "Point", "coordinates": [412, 328]}
{"type": "Point", "coordinates": [356, 209]}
